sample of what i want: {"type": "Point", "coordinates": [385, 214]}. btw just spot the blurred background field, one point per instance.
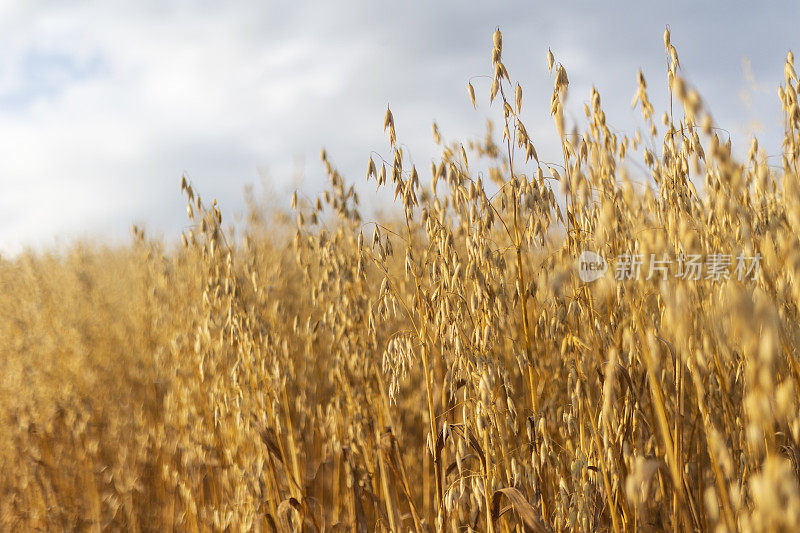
{"type": "Point", "coordinates": [429, 358]}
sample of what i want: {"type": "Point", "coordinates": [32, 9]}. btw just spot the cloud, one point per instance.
{"type": "Point", "coordinates": [103, 106]}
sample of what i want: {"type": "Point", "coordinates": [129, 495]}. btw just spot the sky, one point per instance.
{"type": "Point", "coordinates": [105, 105]}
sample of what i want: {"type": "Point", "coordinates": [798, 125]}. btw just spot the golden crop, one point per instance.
{"type": "Point", "coordinates": [445, 368]}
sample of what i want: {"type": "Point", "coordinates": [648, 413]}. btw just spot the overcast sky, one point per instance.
{"type": "Point", "coordinates": [103, 105]}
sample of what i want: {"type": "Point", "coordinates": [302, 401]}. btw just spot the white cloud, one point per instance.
{"type": "Point", "coordinates": [104, 105]}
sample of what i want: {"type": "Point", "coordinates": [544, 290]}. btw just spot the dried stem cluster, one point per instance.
{"type": "Point", "coordinates": [446, 371]}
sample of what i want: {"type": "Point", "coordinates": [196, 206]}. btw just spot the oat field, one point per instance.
{"type": "Point", "coordinates": [445, 367]}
